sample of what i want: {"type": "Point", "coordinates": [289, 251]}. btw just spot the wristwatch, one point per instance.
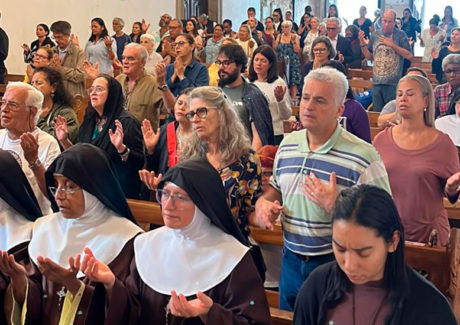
{"type": "Point", "coordinates": [37, 163]}
{"type": "Point", "coordinates": [163, 87]}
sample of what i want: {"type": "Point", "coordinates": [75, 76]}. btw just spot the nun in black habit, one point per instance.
{"type": "Point", "coordinates": [197, 269]}
{"type": "Point", "coordinates": [93, 215]}
{"type": "Point", "coordinates": [109, 126]}
{"type": "Point", "coordinates": [18, 210]}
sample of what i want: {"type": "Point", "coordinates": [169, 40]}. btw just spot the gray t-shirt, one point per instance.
{"type": "Point", "coordinates": [388, 64]}
{"type": "Point", "coordinates": [235, 96]}
{"type": "Point", "coordinates": [389, 107]}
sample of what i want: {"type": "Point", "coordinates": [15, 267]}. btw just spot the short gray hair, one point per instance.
{"type": "Point", "coordinates": [331, 75]}
{"type": "Point", "coordinates": [450, 59]}
{"type": "Point", "coordinates": [142, 52]}
{"type": "Point", "coordinates": [336, 20]}
{"type": "Point", "coordinates": [34, 97]}
{"type": "Point", "coordinates": [121, 21]}
{"type": "Point", "coordinates": [427, 91]}
{"type": "Point", "coordinates": [148, 37]}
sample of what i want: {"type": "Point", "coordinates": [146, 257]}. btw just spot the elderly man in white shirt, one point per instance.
{"type": "Point", "coordinates": [33, 148]}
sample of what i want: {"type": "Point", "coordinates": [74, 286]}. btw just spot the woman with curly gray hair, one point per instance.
{"type": "Point", "coordinates": [220, 137]}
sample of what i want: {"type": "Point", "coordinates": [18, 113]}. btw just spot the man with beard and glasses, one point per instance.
{"type": "Point", "coordinates": [248, 101]}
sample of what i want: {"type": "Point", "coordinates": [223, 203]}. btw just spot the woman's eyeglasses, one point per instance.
{"type": "Point", "coordinates": [320, 50]}
{"type": "Point", "coordinates": [63, 190]}
{"type": "Point", "coordinates": [96, 90]}
{"type": "Point", "coordinates": [178, 200]}
{"type": "Point", "coordinates": [201, 112]}
{"type": "Point", "coordinates": [40, 57]}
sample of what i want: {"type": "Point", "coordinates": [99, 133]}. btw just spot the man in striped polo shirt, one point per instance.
{"type": "Point", "coordinates": [311, 167]}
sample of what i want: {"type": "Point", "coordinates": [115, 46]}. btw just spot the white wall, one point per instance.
{"type": "Point", "coordinates": [20, 17]}
{"type": "Point", "coordinates": [236, 11]}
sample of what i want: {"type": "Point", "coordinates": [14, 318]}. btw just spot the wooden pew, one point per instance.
{"type": "Point", "coordinates": [453, 212]}
{"type": "Point", "coordinates": [358, 85]}
{"type": "Point", "coordinates": [148, 213]}
{"type": "Point", "coordinates": [359, 73]}
{"type": "Point", "coordinates": [295, 110]}
{"type": "Point", "coordinates": [79, 106]}
{"type": "Point", "coordinates": [2, 89]}
{"type": "Point", "coordinates": [373, 117]}
{"type": "Point", "coordinates": [14, 77]}
{"type": "Point", "coordinates": [374, 131]}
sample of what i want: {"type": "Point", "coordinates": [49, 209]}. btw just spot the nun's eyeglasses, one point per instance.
{"type": "Point", "coordinates": [163, 196]}
{"type": "Point", "coordinates": [63, 190]}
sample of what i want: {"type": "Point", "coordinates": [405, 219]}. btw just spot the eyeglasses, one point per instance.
{"type": "Point", "coordinates": [320, 50]}
{"type": "Point", "coordinates": [178, 44]}
{"type": "Point", "coordinates": [178, 200]}
{"type": "Point", "coordinates": [41, 57]}
{"type": "Point", "coordinates": [58, 37]}
{"type": "Point", "coordinates": [15, 107]}
{"type": "Point", "coordinates": [224, 63]}
{"type": "Point", "coordinates": [331, 28]}
{"type": "Point", "coordinates": [96, 90]}
{"type": "Point", "coordinates": [174, 27]}
{"type": "Point", "coordinates": [201, 112]}
{"type": "Point", "coordinates": [454, 71]}
{"type": "Point", "coordinates": [64, 190]}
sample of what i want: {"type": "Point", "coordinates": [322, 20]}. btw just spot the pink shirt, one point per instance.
{"type": "Point", "coordinates": [417, 180]}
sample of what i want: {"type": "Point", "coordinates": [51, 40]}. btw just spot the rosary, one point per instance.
{"type": "Point", "coordinates": [61, 294]}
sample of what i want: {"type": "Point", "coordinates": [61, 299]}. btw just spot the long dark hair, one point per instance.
{"type": "Point", "coordinates": [138, 23]}
{"type": "Point", "coordinates": [54, 77]}
{"type": "Point", "coordinates": [104, 32]}
{"type": "Point", "coordinates": [278, 10]}
{"type": "Point", "coordinates": [270, 55]}
{"type": "Point", "coordinates": [372, 207]}
{"type": "Point", "coordinates": [195, 29]}
{"type": "Point", "coordinates": [336, 11]}
{"type": "Point", "coordinates": [451, 16]}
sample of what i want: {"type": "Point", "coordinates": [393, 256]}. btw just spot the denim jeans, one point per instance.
{"type": "Point", "coordinates": [294, 271]}
{"type": "Point", "coordinates": [382, 94]}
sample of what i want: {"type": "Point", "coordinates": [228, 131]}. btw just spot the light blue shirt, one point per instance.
{"type": "Point", "coordinates": [98, 53]}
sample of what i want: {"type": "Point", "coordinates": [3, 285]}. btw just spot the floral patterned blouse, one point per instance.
{"type": "Point", "coordinates": [243, 184]}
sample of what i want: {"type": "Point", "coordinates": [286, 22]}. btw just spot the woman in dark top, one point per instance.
{"type": "Point", "coordinates": [163, 147]}
{"type": "Point", "coordinates": [351, 32]}
{"type": "Point", "coordinates": [109, 126]}
{"type": "Point", "coordinates": [136, 32]}
{"type": "Point", "coordinates": [18, 211]}
{"type": "Point", "coordinates": [57, 101]}
{"type": "Point", "coordinates": [369, 283]}
{"type": "Point", "coordinates": [363, 23]}
{"type": "Point", "coordinates": [453, 48]}
{"type": "Point", "coordinates": [42, 40]}
{"type": "Point", "coordinates": [411, 26]}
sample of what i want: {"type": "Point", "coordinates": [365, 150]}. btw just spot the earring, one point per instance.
{"type": "Point", "coordinates": [52, 94]}
{"type": "Point", "coordinates": [425, 109]}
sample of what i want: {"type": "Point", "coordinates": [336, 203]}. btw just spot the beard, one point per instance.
{"type": "Point", "coordinates": [229, 79]}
